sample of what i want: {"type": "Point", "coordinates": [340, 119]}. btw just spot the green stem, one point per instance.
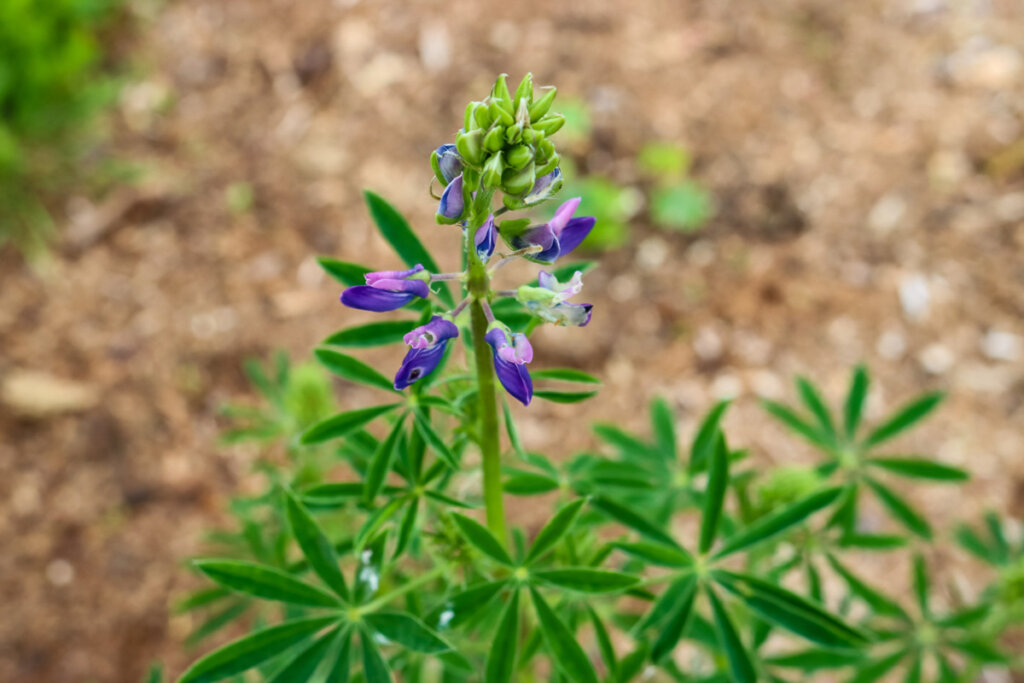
{"type": "Point", "coordinates": [479, 286]}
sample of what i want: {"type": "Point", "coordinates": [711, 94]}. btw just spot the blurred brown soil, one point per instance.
{"type": "Point", "coordinates": [866, 162]}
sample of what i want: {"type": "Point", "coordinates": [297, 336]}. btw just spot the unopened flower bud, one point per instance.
{"type": "Point", "coordinates": [495, 138]}
{"type": "Point", "coordinates": [446, 163]}
{"type": "Point", "coordinates": [518, 182]}
{"type": "Point", "coordinates": [498, 112]}
{"type": "Point", "coordinates": [519, 156]}
{"type": "Point", "coordinates": [476, 116]}
{"type": "Point", "coordinates": [550, 166]}
{"type": "Point", "coordinates": [541, 106]}
{"type": "Point", "coordinates": [514, 133]}
{"type": "Point", "coordinates": [470, 146]}
{"type": "Point", "coordinates": [545, 149]}
{"type": "Point", "coordinates": [500, 92]}
{"type": "Point", "coordinates": [550, 124]}
{"type": "Point", "coordinates": [493, 169]}
{"type": "Point", "coordinates": [452, 204]}
{"type": "Point", "coordinates": [524, 93]}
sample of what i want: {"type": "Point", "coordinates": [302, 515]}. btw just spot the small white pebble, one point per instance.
{"type": "Point", "coordinates": [891, 345]}
{"type": "Point", "coordinates": [915, 296]}
{"type": "Point", "coordinates": [707, 344]}
{"type": "Point", "coordinates": [1002, 345]}
{"type": "Point", "coordinates": [651, 253]}
{"type": "Point", "coordinates": [60, 572]}
{"type": "Point", "coordinates": [936, 359]}
{"type": "Point", "coordinates": [726, 386]}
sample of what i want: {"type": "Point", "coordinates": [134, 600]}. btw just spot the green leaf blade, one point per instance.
{"type": "Point", "coordinates": [501, 659]}
{"type": "Point", "coordinates": [319, 551]}
{"type": "Point", "coordinates": [252, 650]}
{"type": "Point", "coordinates": [778, 522]}
{"type": "Point", "coordinates": [554, 530]}
{"type": "Point", "coordinates": [585, 580]}
{"type": "Point", "coordinates": [265, 582]}
{"type": "Point", "coordinates": [372, 334]}
{"type": "Point", "coordinates": [714, 498]}
{"type": "Point", "coordinates": [482, 539]}
{"type": "Point", "coordinates": [353, 369]}
{"type": "Point", "coordinates": [407, 631]}
{"type": "Point", "coordinates": [566, 653]}
{"type": "Point", "coordinates": [343, 423]}
{"type": "Point", "coordinates": [904, 418]}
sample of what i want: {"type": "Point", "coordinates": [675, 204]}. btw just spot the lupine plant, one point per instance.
{"type": "Point", "coordinates": [390, 558]}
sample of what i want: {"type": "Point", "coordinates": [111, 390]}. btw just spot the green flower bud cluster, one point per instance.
{"type": "Point", "coordinates": [506, 139]}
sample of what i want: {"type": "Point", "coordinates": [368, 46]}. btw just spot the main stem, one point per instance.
{"type": "Point", "coordinates": [490, 449]}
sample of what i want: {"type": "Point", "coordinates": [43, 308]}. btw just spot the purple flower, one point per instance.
{"type": "Point", "coordinates": [557, 237]}
{"type": "Point", "coordinates": [485, 239]}
{"type": "Point", "coordinates": [388, 290]}
{"type": "Point", "coordinates": [511, 354]}
{"type": "Point", "coordinates": [426, 348]}
{"type": "Point", "coordinates": [447, 163]}
{"type": "Point", "coordinates": [452, 204]}
{"type": "Point", "coordinates": [550, 300]}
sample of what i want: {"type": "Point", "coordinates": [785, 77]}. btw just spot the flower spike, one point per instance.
{"type": "Point", "coordinates": [426, 349]}
{"type": "Point", "coordinates": [388, 290]}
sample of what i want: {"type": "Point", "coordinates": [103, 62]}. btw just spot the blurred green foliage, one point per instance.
{"type": "Point", "coordinates": [51, 87]}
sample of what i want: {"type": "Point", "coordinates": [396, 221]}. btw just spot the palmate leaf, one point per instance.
{"type": "Point", "coordinates": [436, 443]}
{"type": "Point", "coordinates": [348, 274]}
{"type": "Point", "coordinates": [565, 375]}
{"type": "Point", "coordinates": [339, 672]}
{"type": "Point", "coordinates": [265, 582]}
{"type": "Point", "coordinates": [707, 436]}
{"type": "Point", "coordinates": [461, 607]}
{"type": "Point", "coordinates": [667, 601]}
{"type": "Point", "coordinates": [901, 509]}
{"type": "Point", "coordinates": [481, 539]}
{"type": "Point", "coordinates": [812, 399]}
{"type": "Point", "coordinates": [353, 369]}
{"type": "Point", "coordinates": [919, 468]}
{"type": "Point", "coordinates": [816, 660]}
{"type": "Point", "coordinates": [604, 643]}
{"type": "Point", "coordinates": [904, 418]}
{"type": "Point", "coordinates": [796, 424]}
{"type": "Point", "coordinates": [407, 631]}
{"type": "Point", "coordinates": [740, 663]}
{"type": "Point", "coordinates": [529, 484]}
{"type": "Point", "coordinates": [714, 497]}
{"type": "Point", "coordinates": [675, 623]}
{"type": "Point", "coordinates": [372, 334]}
{"type": "Point", "coordinates": [877, 601]}
{"type": "Point", "coordinates": [380, 465]}
{"type": "Point", "coordinates": [790, 611]}
{"type": "Point", "coordinates": [501, 660]}
{"type": "Point", "coordinates": [254, 649]}
{"type": "Point", "coordinates": [656, 554]}
{"type": "Point", "coordinates": [554, 530]}
{"type": "Point", "coordinates": [564, 396]}
{"type": "Point", "coordinates": [584, 580]}
{"type": "Point", "coordinates": [778, 522]}
{"type": "Point", "coordinates": [566, 653]}
{"type": "Point", "coordinates": [375, 667]}
{"type": "Point", "coordinates": [403, 240]}
{"type": "Point", "coordinates": [307, 661]}
{"type": "Point", "coordinates": [663, 424]}
{"type": "Point", "coordinates": [632, 520]}
{"type": "Point", "coordinates": [317, 550]}
{"type": "Point", "coordinates": [854, 406]}
{"type": "Point", "coordinates": [344, 423]}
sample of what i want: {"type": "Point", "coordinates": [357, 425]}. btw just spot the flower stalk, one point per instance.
{"type": "Point", "coordinates": [490, 449]}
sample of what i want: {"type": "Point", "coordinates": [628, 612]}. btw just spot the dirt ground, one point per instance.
{"type": "Point", "coordinates": [867, 161]}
